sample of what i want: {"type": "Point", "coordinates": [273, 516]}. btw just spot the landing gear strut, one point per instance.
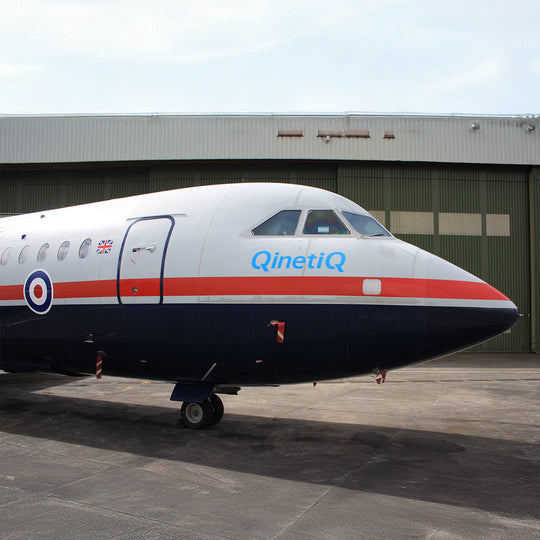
{"type": "Point", "coordinates": [196, 415]}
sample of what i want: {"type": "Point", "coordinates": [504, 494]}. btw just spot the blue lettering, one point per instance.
{"type": "Point", "coordinates": [287, 259]}
{"type": "Point", "coordinates": [299, 262]}
{"type": "Point", "coordinates": [339, 261]}
{"type": "Point", "coordinates": [263, 260]}
{"type": "Point", "coordinates": [266, 261]}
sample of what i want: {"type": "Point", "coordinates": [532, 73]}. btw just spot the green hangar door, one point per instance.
{"type": "Point", "coordinates": [484, 227]}
{"type": "Point", "coordinates": [475, 217]}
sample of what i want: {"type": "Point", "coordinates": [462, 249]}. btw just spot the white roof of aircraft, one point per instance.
{"type": "Point", "coordinates": [350, 136]}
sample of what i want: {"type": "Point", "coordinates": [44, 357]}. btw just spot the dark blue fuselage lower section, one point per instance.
{"type": "Point", "coordinates": [183, 341]}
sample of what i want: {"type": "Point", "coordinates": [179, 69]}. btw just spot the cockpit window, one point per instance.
{"type": "Point", "coordinates": [324, 222]}
{"type": "Point", "coordinates": [365, 225]}
{"type": "Point", "coordinates": [282, 223]}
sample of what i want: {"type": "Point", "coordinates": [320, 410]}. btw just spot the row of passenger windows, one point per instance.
{"type": "Point", "coordinates": [285, 222]}
{"type": "Point", "coordinates": [43, 252]}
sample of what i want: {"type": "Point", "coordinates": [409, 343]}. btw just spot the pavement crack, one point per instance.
{"type": "Point", "coordinates": [305, 512]}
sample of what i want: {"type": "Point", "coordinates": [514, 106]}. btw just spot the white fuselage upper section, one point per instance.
{"type": "Point", "coordinates": [197, 245]}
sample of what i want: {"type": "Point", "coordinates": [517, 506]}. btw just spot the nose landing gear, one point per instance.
{"type": "Point", "coordinates": [195, 415]}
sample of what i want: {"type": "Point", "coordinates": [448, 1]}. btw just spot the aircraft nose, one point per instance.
{"type": "Point", "coordinates": [462, 310]}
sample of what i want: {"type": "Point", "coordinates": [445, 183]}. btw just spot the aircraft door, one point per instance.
{"type": "Point", "coordinates": [142, 261]}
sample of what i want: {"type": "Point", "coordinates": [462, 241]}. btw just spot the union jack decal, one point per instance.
{"type": "Point", "coordinates": [104, 247]}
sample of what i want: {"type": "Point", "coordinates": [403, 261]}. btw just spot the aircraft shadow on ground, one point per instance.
{"type": "Point", "coordinates": [488, 474]}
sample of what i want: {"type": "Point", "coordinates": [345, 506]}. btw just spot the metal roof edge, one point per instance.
{"type": "Point", "coordinates": [411, 115]}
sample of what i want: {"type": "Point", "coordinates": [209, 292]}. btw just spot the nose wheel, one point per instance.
{"type": "Point", "coordinates": [196, 415]}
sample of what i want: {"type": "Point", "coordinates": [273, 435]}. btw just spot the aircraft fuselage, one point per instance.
{"type": "Point", "coordinates": [190, 285]}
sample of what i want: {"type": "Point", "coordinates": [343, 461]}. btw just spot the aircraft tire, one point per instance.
{"type": "Point", "coordinates": [216, 402]}
{"type": "Point", "coordinates": [197, 415]}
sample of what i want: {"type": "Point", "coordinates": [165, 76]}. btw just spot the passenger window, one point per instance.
{"type": "Point", "coordinates": [366, 225]}
{"type": "Point", "coordinates": [324, 222]}
{"type": "Point", "coordinates": [85, 248]}
{"type": "Point", "coordinates": [5, 256]}
{"type": "Point", "coordinates": [42, 253]}
{"type": "Point", "coordinates": [63, 250]}
{"type": "Point", "coordinates": [23, 255]}
{"type": "Point", "coordinates": [282, 223]}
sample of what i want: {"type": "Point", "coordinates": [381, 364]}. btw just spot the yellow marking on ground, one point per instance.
{"type": "Point", "coordinates": [11, 425]}
{"type": "Point", "coordinates": [131, 387]}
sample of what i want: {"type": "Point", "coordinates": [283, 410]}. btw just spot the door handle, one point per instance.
{"type": "Point", "coordinates": [150, 248]}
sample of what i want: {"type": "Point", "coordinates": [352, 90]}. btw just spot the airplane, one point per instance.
{"type": "Point", "coordinates": [223, 286]}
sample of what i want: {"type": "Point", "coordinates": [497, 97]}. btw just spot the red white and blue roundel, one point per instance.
{"type": "Point", "coordinates": [38, 292]}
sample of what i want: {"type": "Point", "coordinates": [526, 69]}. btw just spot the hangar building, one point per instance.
{"type": "Point", "coordinates": [466, 188]}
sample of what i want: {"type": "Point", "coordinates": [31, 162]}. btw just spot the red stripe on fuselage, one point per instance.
{"type": "Point", "coordinates": [11, 292]}
{"type": "Point", "coordinates": [140, 287]}
{"type": "Point", "coordinates": [85, 289]}
{"type": "Point", "coordinates": [467, 290]}
{"type": "Point", "coordinates": [329, 286]}
{"type": "Point", "coordinates": [265, 286]}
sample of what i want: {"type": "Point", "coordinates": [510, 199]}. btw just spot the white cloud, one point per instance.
{"type": "Point", "coordinates": [17, 71]}
{"type": "Point", "coordinates": [535, 66]}
{"type": "Point", "coordinates": [168, 30]}
{"type": "Point", "coordinates": [118, 28]}
{"type": "Point", "coordinates": [310, 55]}
{"type": "Point", "coordinates": [486, 72]}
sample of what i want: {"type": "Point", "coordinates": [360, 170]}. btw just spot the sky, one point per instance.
{"type": "Point", "coordinates": [269, 56]}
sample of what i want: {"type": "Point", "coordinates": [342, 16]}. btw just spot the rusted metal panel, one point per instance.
{"type": "Point", "coordinates": [290, 133]}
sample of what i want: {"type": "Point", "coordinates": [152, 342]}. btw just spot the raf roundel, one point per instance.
{"type": "Point", "coordinates": [38, 292]}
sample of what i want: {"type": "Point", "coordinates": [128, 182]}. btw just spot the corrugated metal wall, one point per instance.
{"type": "Point", "coordinates": [475, 216]}
{"type": "Point", "coordinates": [393, 138]}
{"type": "Point", "coordinates": [534, 223]}
{"type": "Point", "coordinates": [176, 176]}
{"type": "Point", "coordinates": [32, 191]}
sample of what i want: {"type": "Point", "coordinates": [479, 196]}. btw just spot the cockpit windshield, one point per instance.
{"type": "Point", "coordinates": [324, 222]}
{"type": "Point", "coordinates": [282, 223]}
{"type": "Point", "coordinates": [365, 225]}
{"type": "Point", "coordinates": [327, 222]}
